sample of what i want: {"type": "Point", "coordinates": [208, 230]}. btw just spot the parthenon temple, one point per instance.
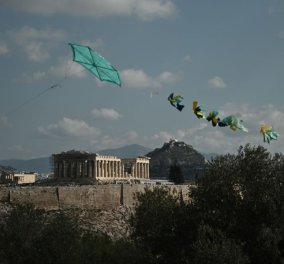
{"type": "Point", "coordinates": [84, 165]}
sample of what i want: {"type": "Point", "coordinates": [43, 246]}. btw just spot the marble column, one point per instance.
{"type": "Point", "coordinates": [119, 169]}
{"type": "Point", "coordinates": [135, 170]}
{"type": "Point", "coordinates": [140, 170]}
{"type": "Point", "coordinates": [101, 168]}
{"type": "Point", "coordinates": [98, 171]}
{"type": "Point", "coordinates": [90, 169]}
{"type": "Point", "coordinates": [72, 174]}
{"type": "Point", "coordinates": [105, 168]}
{"type": "Point", "coordinates": [115, 169]}
{"type": "Point", "coordinates": [94, 170]}
{"type": "Point", "coordinates": [112, 168]}
{"type": "Point", "coordinates": [108, 169]}
{"type": "Point", "coordinates": [64, 169]}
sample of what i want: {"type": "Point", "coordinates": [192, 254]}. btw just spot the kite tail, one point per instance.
{"type": "Point", "coordinates": [180, 107]}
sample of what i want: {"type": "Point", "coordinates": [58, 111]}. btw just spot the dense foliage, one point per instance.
{"type": "Point", "coordinates": [236, 213]}
{"type": "Point", "coordinates": [175, 174]}
{"type": "Point", "coordinates": [27, 235]}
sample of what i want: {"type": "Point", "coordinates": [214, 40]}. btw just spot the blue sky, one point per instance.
{"type": "Point", "coordinates": [228, 55]}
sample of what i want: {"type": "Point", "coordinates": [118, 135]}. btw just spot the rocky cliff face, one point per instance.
{"type": "Point", "coordinates": [178, 153]}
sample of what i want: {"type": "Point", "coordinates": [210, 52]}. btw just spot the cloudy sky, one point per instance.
{"type": "Point", "coordinates": [228, 55]}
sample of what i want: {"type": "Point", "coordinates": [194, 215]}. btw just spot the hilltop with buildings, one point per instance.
{"type": "Point", "coordinates": [176, 153]}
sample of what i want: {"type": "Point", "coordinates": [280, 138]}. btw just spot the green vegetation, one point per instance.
{"type": "Point", "coordinates": [235, 215]}
{"type": "Point", "coordinates": [175, 174]}
{"type": "Point", "coordinates": [27, 235]}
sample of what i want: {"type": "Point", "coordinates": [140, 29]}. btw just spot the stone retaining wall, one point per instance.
{"type": "Point", "coordinates": [104, 197]}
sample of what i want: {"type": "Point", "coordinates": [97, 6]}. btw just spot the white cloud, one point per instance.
{"type": "Point", "coordinates": [132, 135]}
{"type": "Point", "coordinates": [163, 136]}
{"type": "Point", "coordinates": [149, 9]}
{"type": "Point", "coordinates": [144, 9]}
{"type": "Point", "coordinates": [217, 82]}
{"type": "Point", "coordinates": [36, 52]}
{"type": "Point", "coordinates": [27, 33]}
{"type": "Point", "coordinates": [117, 140]}
{"type": "Point", "coordinates": [3, 48]}
{"type": "Point", "coordinates": [275, 8]}
{"type": "Point", "coordinates": [64, 68]}
{"type": "Point", "coordinates": [29, 78]}
{"type": "Point", "coordinates": [281, 34]}
{"type": "Point", "coordinates": [4, 121]}
{"type": "Point", "coordinates": [264, 114]}
{"type": "Point", "coordinates": [132, 78]}
{"type": "Point", "coordinates": [106, 113]}
{"type": "Point", "coordinates": [167, 77]}
{"type": "Point", "coordinates": [252, 118]}
{"type": "Point", "coordinates": [19, 151]}
{"type": "Point", "coordinates": [98, 44]}
{"type": "Point", "coordinates": [35, 43]}
{"type": "Point", "coordinates": [70, 127]}
{"type": "Point", "coordinates": [179, 134]}
{"type": "Point", "coordinates": [67, 68]}
{"type": "Point", "coordinates": [187, 58]}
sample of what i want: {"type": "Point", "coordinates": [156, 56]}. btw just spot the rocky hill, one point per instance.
{"type": "Point", "coordinates": [178, 153]}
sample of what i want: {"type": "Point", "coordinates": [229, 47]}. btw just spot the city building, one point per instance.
{"type": "Point", "coordinates": [80, 165]}
{"type": "Point", "coordinates": [24, 177]}
{"type": "Point", "coordinates": [6, 177]}
{"type": "Point", "coordinates": [18, 177]}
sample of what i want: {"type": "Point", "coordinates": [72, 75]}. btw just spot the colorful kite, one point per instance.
{"type": "Point", "coordinates": [212, 116]}
{"type": "Point", "coordinates": [198, 111]}
{"type": "Point", "coordinates": [175, 101]}
{"type": "Point", "coordinates": [268, 133]}
{"type": "Point", "coordinates": [95, 63]}
{"type": "Point", "coordinates": [233, 122]}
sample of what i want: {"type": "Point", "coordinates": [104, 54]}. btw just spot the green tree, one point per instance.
{"type": "Point", "coordinates": [235, 214]}
{"type": "Point", "coordinates": [212, 246]}
{"type": "Point", "coordinates": [99, 248]}
{"type": "Point", "coordinates": [59, 241]}
{"type": "Point", "coordinates": [18, 233]}
{"type": "Point", "coordinates": [30, 235]}
{"type": "Point", "coordinates": [158, 225]}
{"type": "Point", "coordinates": [243, 196]}
{"type": "Point", "coordinates": [175, 174]}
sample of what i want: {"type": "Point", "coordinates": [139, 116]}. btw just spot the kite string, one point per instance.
{"type": "Point", "coordinates": [32, 98]}
{"type": "Point", "coordinates": [67, 68]}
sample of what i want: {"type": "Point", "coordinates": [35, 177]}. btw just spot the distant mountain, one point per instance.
{"type": "Point", "coordinates": [43, 165]}
{"type": "Point", "coordinates": [129, 151]}
{"type": "Point", "coordinates": [40, 165]}
{"type": "Point", "coordinates": [177, 153]}
{"type": "Point", "coordinates": [6, 169]}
